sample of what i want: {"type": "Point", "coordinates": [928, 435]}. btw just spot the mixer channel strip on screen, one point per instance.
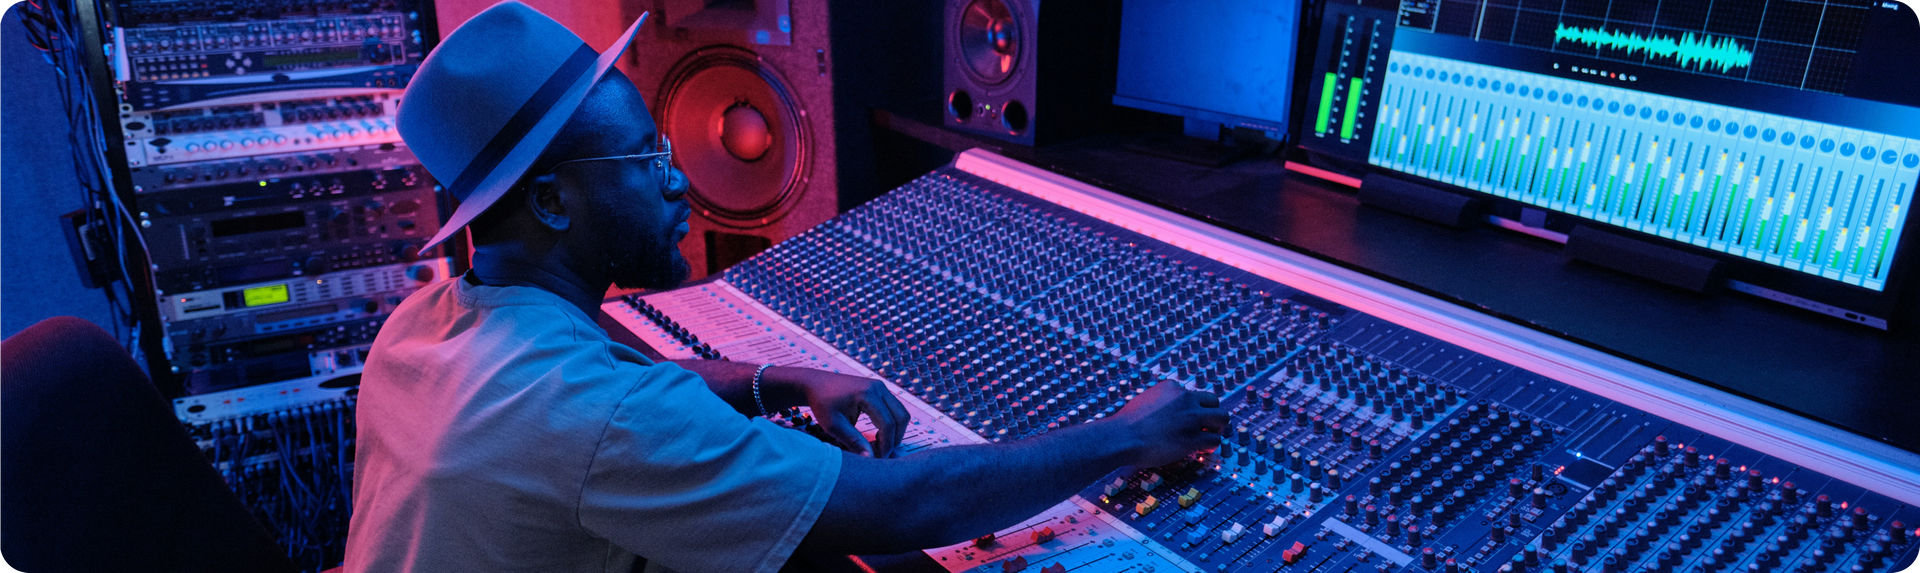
{"type": "Point", "coordinates": [1808, 196]}
{"type": "Point", "coordinates": [1001, 303]}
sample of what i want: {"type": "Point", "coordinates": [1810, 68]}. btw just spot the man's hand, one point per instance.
{"type": "Point", "coordinates": [1167, 423]}
{"type": "Point", "coordinates": [838, 400]}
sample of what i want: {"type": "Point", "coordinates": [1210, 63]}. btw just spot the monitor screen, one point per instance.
{"type": "Point", "coordinates": [1783, 136]}
{"type": "Point", "coordinates": [1229, 61]}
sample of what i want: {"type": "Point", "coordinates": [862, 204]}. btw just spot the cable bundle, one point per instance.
{"type": "Point", "coordinates": [294, 468]}
{"type": "Point", "coordinates": [51, 28]}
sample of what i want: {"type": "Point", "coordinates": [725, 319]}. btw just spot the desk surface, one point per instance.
{"type": "Point", "coordinates": [1854, 377]}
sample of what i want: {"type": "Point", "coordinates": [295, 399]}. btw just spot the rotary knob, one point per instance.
{"type": "Point", "coordinates": [421, 273]}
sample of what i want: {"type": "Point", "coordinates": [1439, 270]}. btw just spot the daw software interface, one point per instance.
{"type": "Point", "coordinates": [1778, 133]}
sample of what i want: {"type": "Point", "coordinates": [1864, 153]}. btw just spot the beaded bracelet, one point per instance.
{"type": "Point", "coordinates": [756, 389]}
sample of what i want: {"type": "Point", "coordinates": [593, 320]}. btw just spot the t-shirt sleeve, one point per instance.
{"type": "Point", "coordinates": [686, 482]}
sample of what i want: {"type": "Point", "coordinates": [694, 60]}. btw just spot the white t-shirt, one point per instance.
{"type": "Point", "coordinates": [500, 430]}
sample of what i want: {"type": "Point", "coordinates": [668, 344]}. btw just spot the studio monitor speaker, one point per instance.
{"type": "Point", "coordinates": [744, 91]}
{"type": "Point", "coordinates": [1029, 72]}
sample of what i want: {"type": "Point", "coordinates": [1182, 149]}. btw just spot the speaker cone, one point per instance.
{"type": "Point", "coordinates": [989, 41]}
{"type": "Point", "coordinates": [738, 135]}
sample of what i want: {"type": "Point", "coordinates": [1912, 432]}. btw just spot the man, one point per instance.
{"type": "Point", "coordinates": [500, 429]}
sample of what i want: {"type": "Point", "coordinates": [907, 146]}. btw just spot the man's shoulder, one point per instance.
{"type": "Point", "coordinates": [450, 304]}
{"type": "Point", "coordinates": [445, 330]}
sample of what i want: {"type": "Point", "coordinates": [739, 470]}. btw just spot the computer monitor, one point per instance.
{"type": "Point", "coordinates": [1781, 138]}
{"type": "Point", "coordinates": [1229, 61]}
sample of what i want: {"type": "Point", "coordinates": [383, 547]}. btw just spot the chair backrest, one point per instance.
{"type": "Point", "coordinates": [96, 474]}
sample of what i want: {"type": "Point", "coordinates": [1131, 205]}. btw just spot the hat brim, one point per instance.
{"type": "Point", "coordinates": [524, 152]}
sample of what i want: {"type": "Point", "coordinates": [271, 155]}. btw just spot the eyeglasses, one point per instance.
{"type": "Point", "coordinates": [661, 161]}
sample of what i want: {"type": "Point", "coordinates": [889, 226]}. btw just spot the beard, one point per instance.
{"type": "Point", "coordinates": [637, 255]}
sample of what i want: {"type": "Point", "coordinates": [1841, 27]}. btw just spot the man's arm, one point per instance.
{"type": "Point", "coordinates": [733, 382]}
{"type": "Point", "coordinates": [945, 496]}
{"type": "Point", "coordinates": [837, 400]}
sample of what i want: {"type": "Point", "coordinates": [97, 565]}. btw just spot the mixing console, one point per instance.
{"type": "Point", "coordinates": [1357, 444]}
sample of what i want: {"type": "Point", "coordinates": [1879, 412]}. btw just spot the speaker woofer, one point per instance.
{"type": "Point", "coordinates": [989, 41]}
{"type": "Point", "coordinates": [738, 135]}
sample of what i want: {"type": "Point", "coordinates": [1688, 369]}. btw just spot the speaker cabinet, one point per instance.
{"type": "Point", "coordinates": [744, 91]}
{"type": "Point", "coordinates": [1026, 71]}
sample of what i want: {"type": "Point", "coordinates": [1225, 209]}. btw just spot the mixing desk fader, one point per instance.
{"type": "Point", "coordinates": [1373, 429]}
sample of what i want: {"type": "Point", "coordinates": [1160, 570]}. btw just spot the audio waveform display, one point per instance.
{"type": "Point", "coordinates": [1817, 198]}
{"type": "Point", "coordinates": [1805, 45]}
{"type": "Point", "coordinates": [1698, 52]}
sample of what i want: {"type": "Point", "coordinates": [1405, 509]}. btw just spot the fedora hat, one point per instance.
{"type": "Point", "coordinates": [491, 97]}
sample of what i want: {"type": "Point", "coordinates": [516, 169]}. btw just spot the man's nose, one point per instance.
{"type": "Point", "coordinates": [676, 184]}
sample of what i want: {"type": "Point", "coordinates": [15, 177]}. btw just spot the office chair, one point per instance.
{"type": "Point", "coordinates": [96, 473]}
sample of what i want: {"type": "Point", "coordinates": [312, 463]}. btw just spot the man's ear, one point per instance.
{"type": "Point", "coordinates": [544, 202]}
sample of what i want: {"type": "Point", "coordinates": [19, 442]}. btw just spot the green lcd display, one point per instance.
{"type": "Point", "coordinates": [261, 296]}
